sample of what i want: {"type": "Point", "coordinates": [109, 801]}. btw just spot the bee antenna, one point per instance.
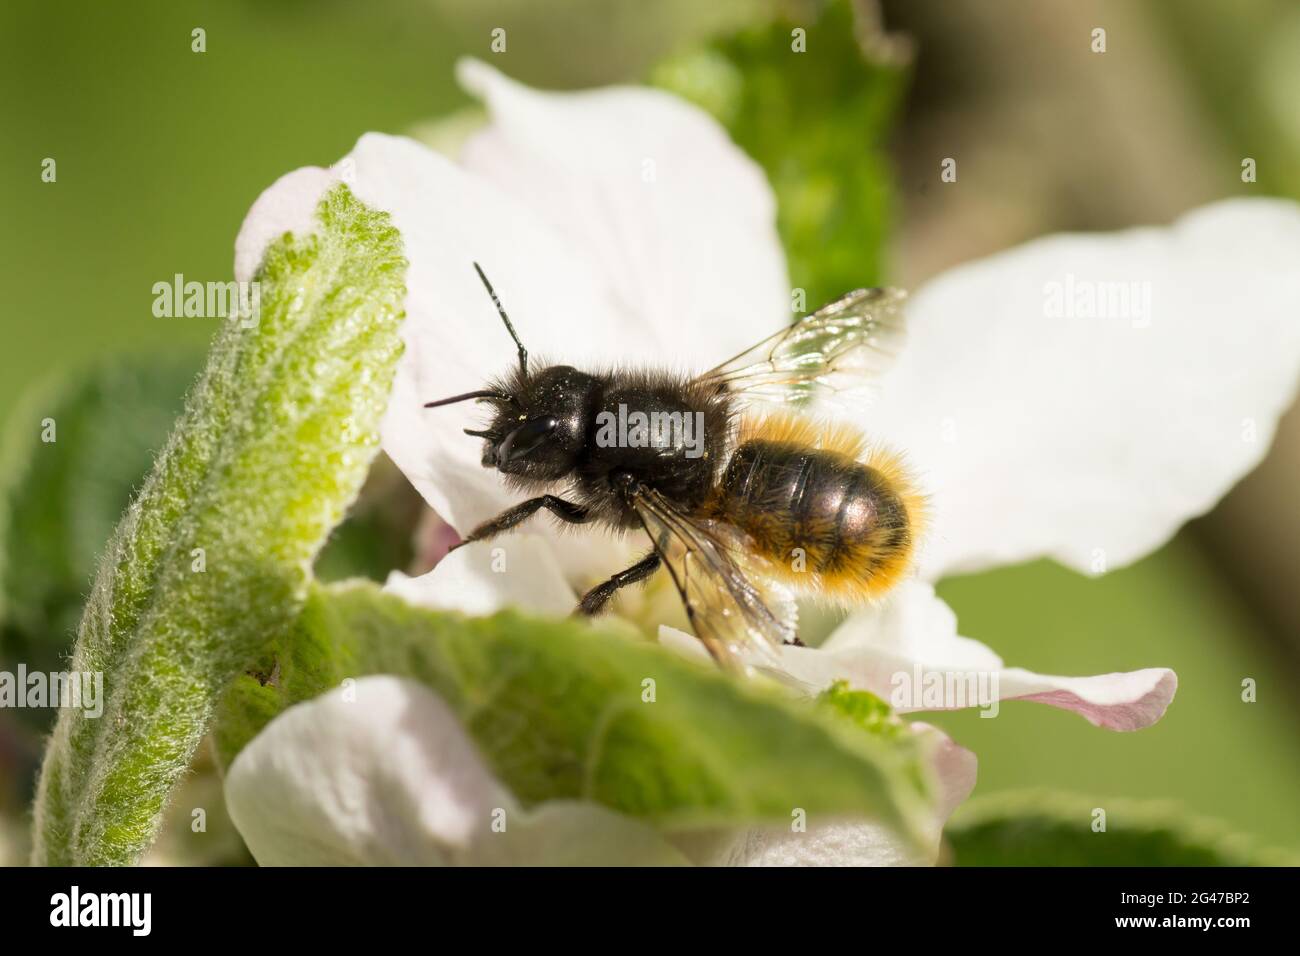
{"type": "Point", "coordinates": [484, 393]}
{"type": "Point", "coordinates": [523, 352]}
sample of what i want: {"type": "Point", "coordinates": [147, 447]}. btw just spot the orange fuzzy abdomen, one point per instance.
{"type": "Point", "coordinates": [825, 514]}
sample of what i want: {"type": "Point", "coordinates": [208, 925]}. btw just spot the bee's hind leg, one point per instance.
{"type": "Point", "coordinates": [594, 601]}
{"type": "Point", "coordinates": [566, 511]}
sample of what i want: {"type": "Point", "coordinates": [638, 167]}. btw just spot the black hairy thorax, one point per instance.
{"type": "Point", "coordinates": [658, 428]}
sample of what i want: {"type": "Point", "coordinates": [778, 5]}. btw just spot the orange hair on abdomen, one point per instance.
{"type": "Point", "coordinates": [829, 513]}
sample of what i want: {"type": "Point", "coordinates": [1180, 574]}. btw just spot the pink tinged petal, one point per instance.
{"type": "Point", "coordinates": [433, 539]}
{"type": "Point", "coordinates": [908, 653]}
{"type": "Point", "coordinates": [289, 205]}
{"type": "Point", "coordinates": [1120, 701]}
{"type": "Point", "coordinates": [484, 577]}
{"type": "Point", "coordinates": [389, 777]}
{"type": "Point", "coordinates": [1041, 431]}
{"type": "Point", "coordinates": [678, 221]}
{"type": "Point", "coordinates": [954, 767]}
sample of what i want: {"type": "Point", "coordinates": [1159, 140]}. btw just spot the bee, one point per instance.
{"type": "Point", "coordinates": [746, 501]}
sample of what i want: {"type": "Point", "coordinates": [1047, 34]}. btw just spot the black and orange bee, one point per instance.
{"type": "Point", "coordinates": [745, 500]}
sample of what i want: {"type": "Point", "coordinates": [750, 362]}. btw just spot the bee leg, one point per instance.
{"type": "Point", "coordinates": [566, 511]}
{"type": "Point", "coordinates": [594, 601]}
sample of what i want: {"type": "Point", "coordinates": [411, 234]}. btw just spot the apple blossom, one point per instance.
{"type": "Point", "coordinates": [1079, 397]}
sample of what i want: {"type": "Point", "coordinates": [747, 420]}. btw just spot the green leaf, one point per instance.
{"type": "Point", "coordinates": [559, 710]}
{"type": "Point", "coordinates": [275, 441]}
{"type": "Point", "coordinates": [1054, 829]}
{"type": "Point", "coordinates": [63, 497]}
{"type": "Point", "coordinates": [816, 122]}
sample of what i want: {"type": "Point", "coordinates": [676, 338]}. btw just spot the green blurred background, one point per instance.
{"type": "Point", "coordinates": [160, 151]}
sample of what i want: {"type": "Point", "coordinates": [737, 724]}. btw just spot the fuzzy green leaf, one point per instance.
{"type": "Point", "coordinates": [1054, 829]}
{"type": "Point", "coordinates": [275, 441]}
{"type": "Point", "coordinates": [813, 107]}
{"type": "Point", "coordinates": [560, 710]}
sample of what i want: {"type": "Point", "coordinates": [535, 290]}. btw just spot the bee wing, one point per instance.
{"type": "Point", "coordinates": [839, 351]}
{"type": "Point", "coordinates": [714, 575]}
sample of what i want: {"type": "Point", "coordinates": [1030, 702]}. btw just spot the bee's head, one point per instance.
{"type": "Point", "coordinates": [539, 421]}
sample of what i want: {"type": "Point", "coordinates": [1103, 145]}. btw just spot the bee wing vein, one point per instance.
{"type": "Point", "coordinates": [842, 349]}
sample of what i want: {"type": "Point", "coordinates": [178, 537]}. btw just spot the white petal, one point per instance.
{"type": "Point", "coordinates": [388, 778]}
{"type": "Point", "coordinates": [908, 652]}
{"type": "Point", "coordinates": [847, 842]}
{"type": "Point", "coordinates": [391, 778]}
{"type": "Point", "coordinates": [484, 577]}
{"type": "Point", "coordinates": [1091, 440]}
{"type": "Point", "coordinates": [679, 222]}
{"type": "Point", "coordinates": [913, 623]}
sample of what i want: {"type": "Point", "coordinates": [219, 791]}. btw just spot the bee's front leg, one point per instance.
{"type": "Point", "coordinates": [566, 511]}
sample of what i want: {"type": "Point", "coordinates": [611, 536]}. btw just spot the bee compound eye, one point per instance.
{"type": "Point", "coordinates": [526, 438]}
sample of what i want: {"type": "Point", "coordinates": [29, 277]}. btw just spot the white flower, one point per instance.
{"type": "Point", "coordinates": [622, 225]}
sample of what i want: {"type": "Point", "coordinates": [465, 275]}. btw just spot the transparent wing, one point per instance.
{"type": "Point", "coordinates": [837, 353]}
{"type": "Point", "coordinates": [738, 622]}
